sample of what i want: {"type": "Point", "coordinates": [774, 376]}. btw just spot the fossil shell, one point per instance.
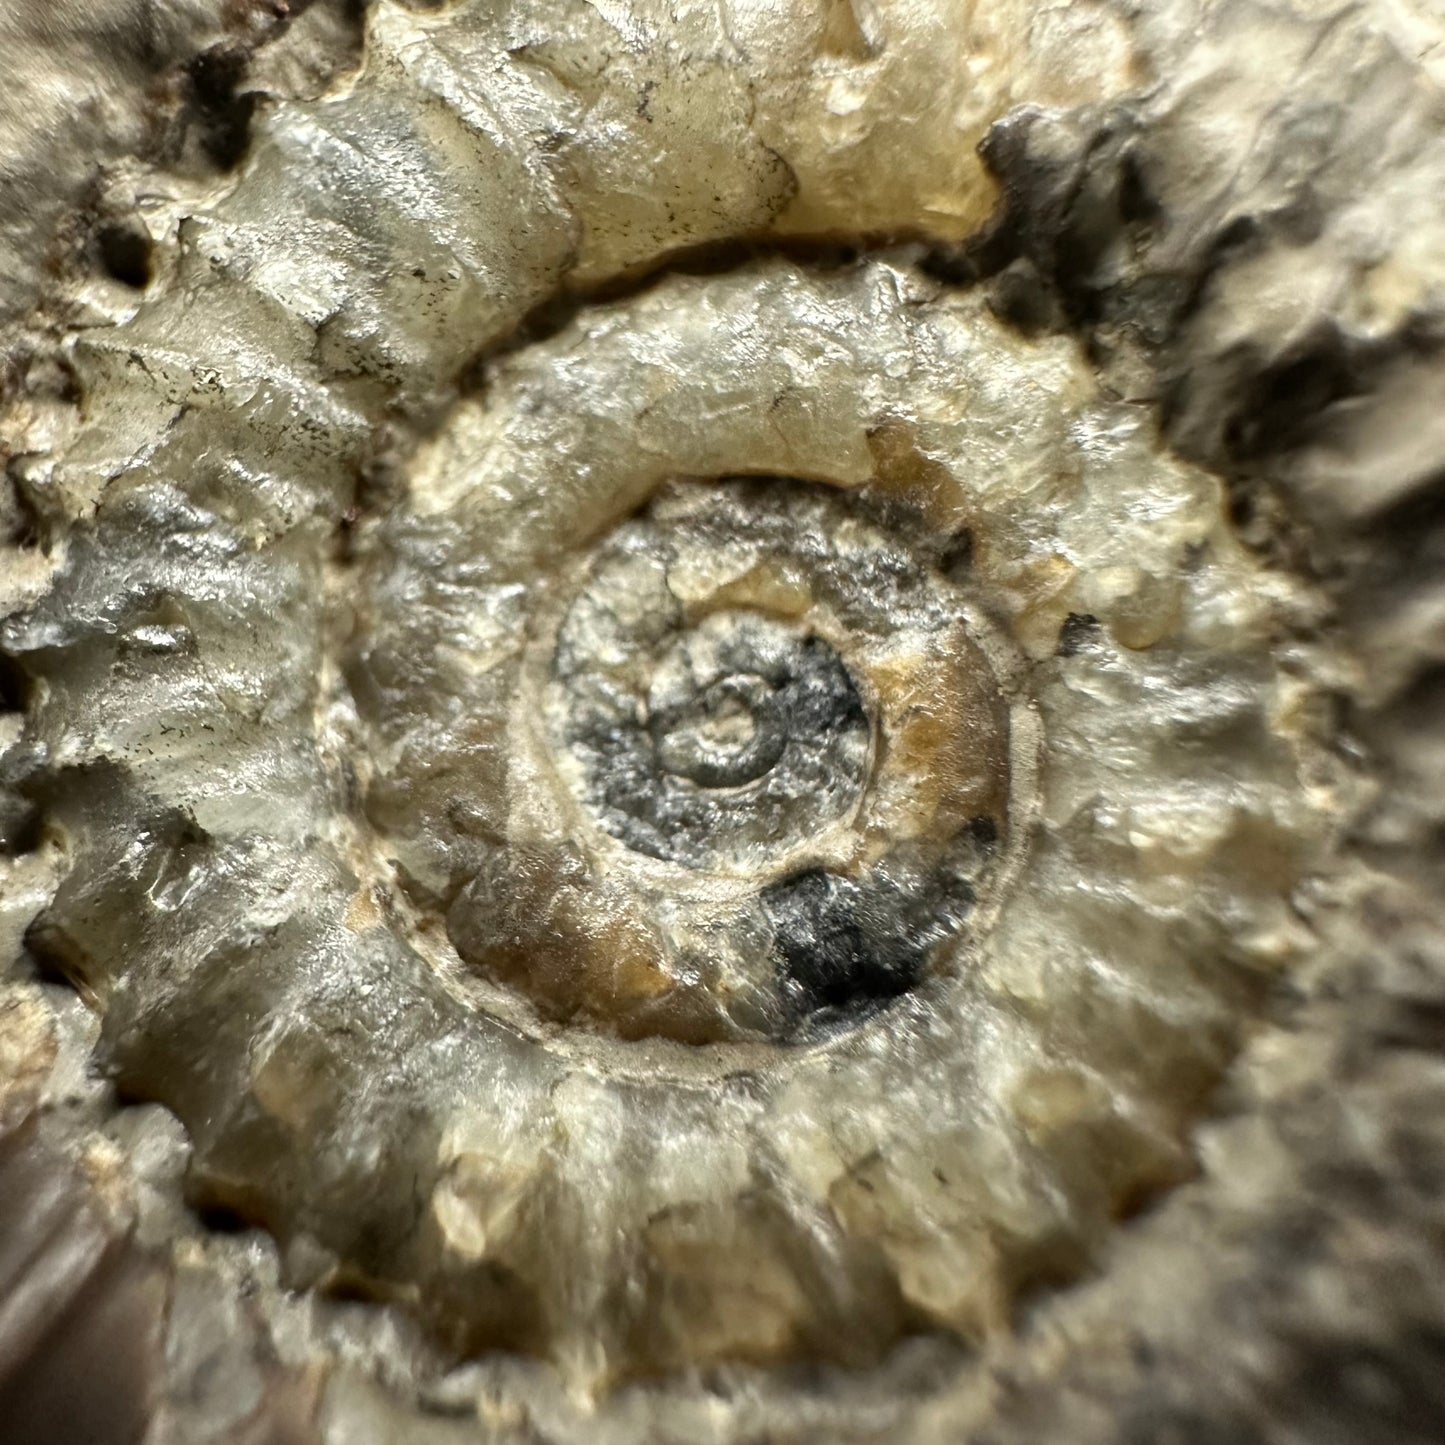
{"type": "Point", "coordinates": [657, 812]}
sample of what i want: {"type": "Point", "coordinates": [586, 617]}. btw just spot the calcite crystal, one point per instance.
{"type": "Point", "coordinates": [693, 747]}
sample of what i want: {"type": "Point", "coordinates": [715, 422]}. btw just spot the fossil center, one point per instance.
{"type": "Point", "coordinates": [731, 739]}
{"type": "Point", "coordinates": [759, 776]}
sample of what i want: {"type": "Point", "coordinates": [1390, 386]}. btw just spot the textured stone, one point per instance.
{"type": "Point", "coordinates": [684, 847]}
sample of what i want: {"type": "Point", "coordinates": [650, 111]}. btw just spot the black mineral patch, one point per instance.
{"type": "Point", "coordinates": [833, 960]}
{"type": "Point", "coordinates": [1077, 631]}
{"type": "Point", "coordinates": [125, 254]}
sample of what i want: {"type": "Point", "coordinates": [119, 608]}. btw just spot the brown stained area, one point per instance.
{"type": "Point", "coordinates": [730, 1282]}
{"type": "Point", "coordinates": [480, 1236]}
{"type": "Point", "coordinates": [480, 1239]}
{"type": "Point", "coordinates": [363, 912]}
{"type": "Point", "coordinates": [576, 948]}
{"type": "Point", "coordinates": [944, 748]}
{"type": "Point", "coordinates": [909, 475]}
{"type": "Point", "coordinates": [842, 34]}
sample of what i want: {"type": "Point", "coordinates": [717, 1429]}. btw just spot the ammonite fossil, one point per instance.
{"type": "Point", "coordinates": [707, 738]}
